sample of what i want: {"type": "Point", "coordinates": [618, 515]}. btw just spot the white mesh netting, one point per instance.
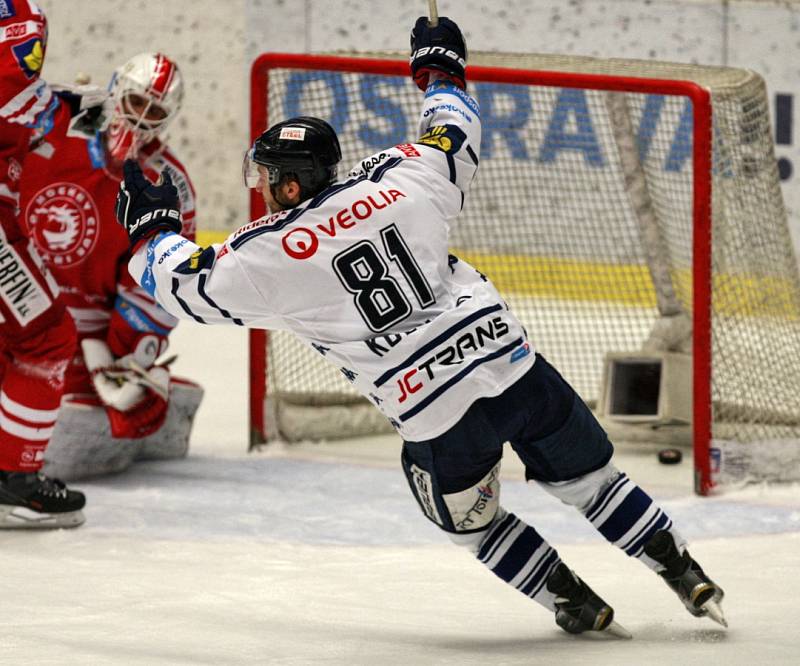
{"type": "Point", "coordinates": [554, 220]}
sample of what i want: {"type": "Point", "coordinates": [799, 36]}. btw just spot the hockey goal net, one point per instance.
{"type": "Point", "coordinates": [630, 213]}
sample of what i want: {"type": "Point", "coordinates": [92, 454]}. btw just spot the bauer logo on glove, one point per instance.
{"type": "Point", "coordinates": [144, 208]}
{"type": "Point", "coordinates": [441, 49]}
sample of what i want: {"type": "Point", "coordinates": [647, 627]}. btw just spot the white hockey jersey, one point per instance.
{"type": "Point", "coordinates": [362, 273]}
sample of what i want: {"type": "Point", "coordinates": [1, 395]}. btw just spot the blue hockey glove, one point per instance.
{"type": "Point", "coordinates": [144, 208]}
{"type": "Point", "coordinates": [441, 48]}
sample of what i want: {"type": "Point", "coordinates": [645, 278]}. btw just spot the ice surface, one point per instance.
{"type": "Point", "coordinates": [318, 555]}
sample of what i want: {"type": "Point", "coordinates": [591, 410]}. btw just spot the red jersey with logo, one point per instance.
{"type": "Point", "coordinates": [37, 338]}
{"type": "Point", "coordinates": [67, 197]}
{"type": "Point", "coordinates": [24, 98]}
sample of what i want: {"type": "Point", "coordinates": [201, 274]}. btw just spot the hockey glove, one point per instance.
{"type": "Point", "coordinates": [91, 108]}
{"type": "Point", "coordinates": [135, 398]}
{"type": "Point", "coordinates": [143, 208]}
{"type": "Point", "coordinates": [441, 49]}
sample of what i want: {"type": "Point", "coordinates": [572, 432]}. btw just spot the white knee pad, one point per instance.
{"type": "Point", "coordinates": [473, 540]}
{"type": "Point", "coordinates": [581, 491]}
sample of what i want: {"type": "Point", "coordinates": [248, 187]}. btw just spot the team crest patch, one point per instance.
{"type": "Point", "coordinates": [447, 138]}
{"type": "Point", "coordinates": [63, 222]}
{"type": "Point", "coordinates": [7, 9]}
{"type": "Point", "coordinates": [30, 56]}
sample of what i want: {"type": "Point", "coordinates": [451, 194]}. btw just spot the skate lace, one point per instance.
{"type": "Point", "coordinates": [51, 487]}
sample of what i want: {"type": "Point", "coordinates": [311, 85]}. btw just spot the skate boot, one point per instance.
{"type": "Point", "coordinates": [700, 594]}
{"type": "Point", "coordinates": [578, 608]}
{"type": "Point", "coordinates": [34, 500]}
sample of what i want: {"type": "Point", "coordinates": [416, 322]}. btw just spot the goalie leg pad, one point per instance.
{"type": "Point", "coordinates": [171, 441]}
{"type": "Point", "coordinates": [82, 446]}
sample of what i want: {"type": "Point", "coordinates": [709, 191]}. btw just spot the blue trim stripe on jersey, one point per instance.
{"type": "Point", "coordinates": [451, 165]}
{"type": "Point", "coordinates": [377, 174]}
{"type": "Point", "coordinates": [316, 202]}
{"type": "Point", "coordinates": [175, 286]}
{"type": "Point", "coordinates": [380, 381]}
{"type": "Point", "coordinates": [201, 289]}
{"type": "Point", "coordinates": [137, 318]}
{"type": "Point", "coordinates": [422, 404]}
{"type": "Point", "coordinates": [472, 154]}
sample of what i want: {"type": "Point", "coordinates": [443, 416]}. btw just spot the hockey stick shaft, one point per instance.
{"type": "Point", "coordinates": [433, 14]}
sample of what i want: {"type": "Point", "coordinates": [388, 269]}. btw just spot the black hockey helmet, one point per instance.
{"type": "Point", "coordinates": [304, 147]}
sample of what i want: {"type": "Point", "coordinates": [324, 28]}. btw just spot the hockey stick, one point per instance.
{"type": "Point", "coordinates": [433, 13]}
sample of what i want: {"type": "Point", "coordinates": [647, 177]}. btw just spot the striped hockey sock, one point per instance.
{"type": "Point", "coordinates": [628, 517]}
{"type": "Point", "coordinates": [517, 553]}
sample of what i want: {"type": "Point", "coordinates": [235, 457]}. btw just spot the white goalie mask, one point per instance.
{"type": "Point", "coordinates": [147, 92]}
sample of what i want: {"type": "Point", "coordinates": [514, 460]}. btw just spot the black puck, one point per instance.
{"type": "Point", "coordinates": [670, 456]}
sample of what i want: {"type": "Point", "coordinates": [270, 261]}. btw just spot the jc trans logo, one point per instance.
{"type": "Point", "coordinates": [520, 123]}
{"type": "Point", "coordinates": [469, 344]}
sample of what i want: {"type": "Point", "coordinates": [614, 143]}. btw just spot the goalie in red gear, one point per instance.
{"type": "Point", "coordinates": [67, 204]}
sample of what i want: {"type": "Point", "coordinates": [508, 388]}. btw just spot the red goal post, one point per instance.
{"type": "Point", "coordinates": [644, 85]}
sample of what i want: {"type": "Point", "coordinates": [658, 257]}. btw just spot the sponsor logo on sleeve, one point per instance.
{"type": "Point", "coordinates": [18, 30]}
{"type": "Point", "coordinates": [452, 108]}
{"type": "Point", "coordinates": [30, 56]}
{"type": "Point", "coordinates": [368, 165]}
{"type": "Point", "coordinates": [408, 150]}
{"type": "Point", "coordinates": [176, 246]}
{"type": "Point", "coordinates": [451, 88]}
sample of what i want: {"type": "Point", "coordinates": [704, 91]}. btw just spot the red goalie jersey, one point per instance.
{"type": "Point", "coordinates": [67, 201]}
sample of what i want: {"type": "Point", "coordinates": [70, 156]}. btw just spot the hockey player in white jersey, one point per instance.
{"type": "Point", "coordinates": [341, 264]}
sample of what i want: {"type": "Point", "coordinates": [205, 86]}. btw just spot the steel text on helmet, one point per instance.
{"type": "Point", "coordinates": [304, 149]}
{"type": "Point", "coordinates": [147, 92]}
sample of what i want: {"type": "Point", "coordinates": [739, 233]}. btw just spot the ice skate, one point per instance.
{"type": "Point", "coordinates": [700, 594]}
{"type": "Point", "coordinates": [578, 608]}
{"type": "Point", "coordinates": [33, 500]}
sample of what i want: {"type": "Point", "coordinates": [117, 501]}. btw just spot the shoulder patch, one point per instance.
{"type": "Point", "coordinates": [199, 260]}
{"type": "Point", "coordinates": [447, 138]}
{"type": "Point", "coordinates": [30, 56]}
{"type": "Point", "coordinates": [7, 9]}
